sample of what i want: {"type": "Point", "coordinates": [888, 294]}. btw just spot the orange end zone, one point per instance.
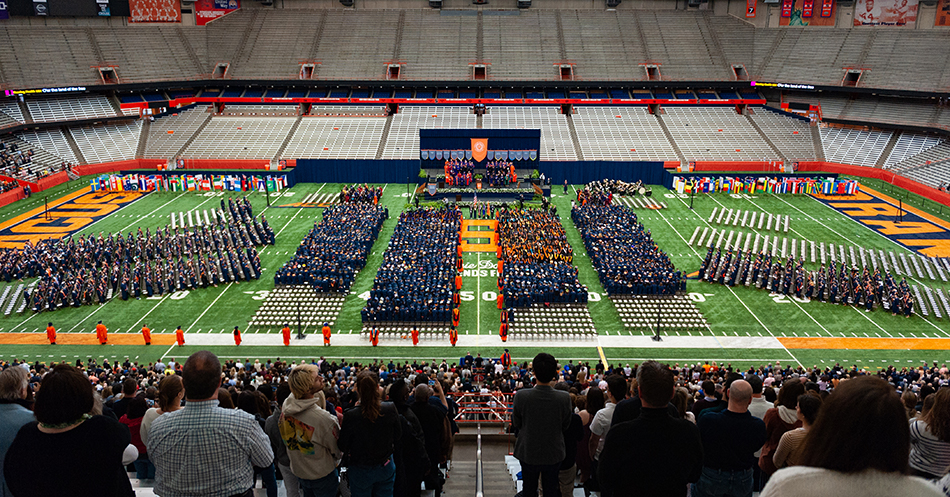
{"type": "Point", "coordinates": [83, 339]}
{"type": "Point", "coordinates": [867, 343]}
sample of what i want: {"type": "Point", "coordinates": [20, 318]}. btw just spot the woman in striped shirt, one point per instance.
{"type": "Point", "coordinates": [930, 439]}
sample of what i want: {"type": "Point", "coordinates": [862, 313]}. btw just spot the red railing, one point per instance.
{"type": "Point", "coordinates": [474, 408]}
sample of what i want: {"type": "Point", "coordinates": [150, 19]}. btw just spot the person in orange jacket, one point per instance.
{"type": "Point", "coordinates": [453, 336]}
{"type": "Point", "coordinates": [415, 336]}
{"type": "Point", "coordinates": [147, 334]}
{"type": "Point", "coordinates": [51, 334]}
{"type": "Point", "coordinates": [102, 334]}
{"type": "Point", "coordinates": [286, 332]}
{"type": "Point", "coordinates": [326, 334]}
{"type": "Point", "coordinates": [237, 336]}
{"type": "Point", "coordinates": [180, 336]}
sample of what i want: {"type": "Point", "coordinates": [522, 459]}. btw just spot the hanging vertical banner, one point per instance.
{"type": "Point", "coordinates": [827, 7]}
{"type": "Point", "coordinates": [103, 8]}
{"type": "Point", "coordinates": [3, 11]}
{"type": "Point", "coordinates": [209, 10]}
{"type": "Point", "coordinates": [787, 7]}
{"type": "Point", "coordinates": [808, 8]}
{"type": "Point", "coordinates": [943, 13]}
{"type": "Point", "coordinates": [750, 8]}
{"type": "Point", "coordinates": [40, 7]}
{"type": "Point", "coordinates": [155, 11]}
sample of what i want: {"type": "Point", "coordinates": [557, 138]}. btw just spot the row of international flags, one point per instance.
{"type": "Point", "coordinates": [752, 185]}
{"type": "Point", "coordinates": [188, 182]}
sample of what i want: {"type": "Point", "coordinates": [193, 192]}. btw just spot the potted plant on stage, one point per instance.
{"type": "Point", "coordinates": [478, 181]}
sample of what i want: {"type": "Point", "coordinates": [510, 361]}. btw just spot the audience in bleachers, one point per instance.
{"type": "Point", "coordinates": [623, 252]}
{"type": "Point", "coordinates": [537, 259]}
{"type": "Point", "coordinates": [414, 281]}
{"type": "Point", "coordinates": [855, 440]}
{"type": "Point", "coordinates": [336, 248]}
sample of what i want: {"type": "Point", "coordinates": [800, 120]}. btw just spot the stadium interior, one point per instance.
{"type": "Point", "coordinates": [316, 96]}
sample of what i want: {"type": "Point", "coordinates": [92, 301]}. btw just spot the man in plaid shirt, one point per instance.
{"type": "Point", "coordinates": [203, 449]}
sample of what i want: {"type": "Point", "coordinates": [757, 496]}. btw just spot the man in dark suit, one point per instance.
{"type": "Point", "coordinates": [655, 454]}
{"type": "Point", "coordinates": [541, 415]}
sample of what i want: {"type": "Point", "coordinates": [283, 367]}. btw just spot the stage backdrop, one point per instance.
{"type": "Point", "coordinates": [518, 146]}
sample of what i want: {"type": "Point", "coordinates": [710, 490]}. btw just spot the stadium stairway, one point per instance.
{"type": "Point", "coordinates": [887, 149]}
{"type": "Point", "coordinates": [577, 143]}
{"type": "Point", "coordinates": [461, 478]}
{"type": "Point", "coordinates": [766, 138]}
{"type": "Point", "coordinates": [816, 140]}
{"type": "Point", "coordinates": [74, 146]}
{"type": "Point", "coordinates": [669, 137]}
{"type": "Point", "coordinates": [27, 117]}
{"type": "Point", "coordinates": [143, 139]}
{"type": "Point", "coordinates": [290, 134]}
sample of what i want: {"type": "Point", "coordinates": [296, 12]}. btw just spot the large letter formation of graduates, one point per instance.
{"type": "Point", "coordinates": [848, 286]}
{"type": "Point", "coordinates": [89, 270]}
{"type": "Point", "coordinates": [622, 251]}
{"type": "Point", "coordinates": [336, 248]}
{"type": "Point", "coordinates": [414, 282]}
{"type": "Point", "coordinates": [537, 259]}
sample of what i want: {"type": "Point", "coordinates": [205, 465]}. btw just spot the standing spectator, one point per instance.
{"type": "Point", "coordinates": [203, 450]}
{"type": "Point", "coordinates": [144, 469]}
{"type": "Point", "coordinates": [251, 402]}
{"type": "Point", "coordinates": [13, 386]}
{"type": "Point", "coordinates": [410, 456]}
{"type": "Point", "coordinates": [170, 394]}
{"type": "Point", "coordinates": [436, 430]}
{"type": "Point", "coordinates": [291, 483]}
{"type": "Point", "coordinates": [779, 420]}
{"type": "Point", "coordinates": [930, 439]}
{"type": "Point", "coordinates": [310, 434]}
{"type": "Point", "coordinates": [595, 402]}
{"type": "Point", "coordinates": [616, 391]}
{"type": "Point", "coordinates": [631, 449]}
{"type": "Point", "coordinates": [367, 440]}
{"type": "Point", "coordinates": [572, 435]}
{"type": "Point", "coordinates": [82, 454]}
{"type": "Point", "coordinates": [541, 414]}
{"type": "Point", "coordinates": [128, 393]}
{"type": "Point", "coordinates": [730, 439]}
{"type": "Point", "coordinates": [709, 399]}
{"type": "Point", "coordinates": [790, 447]}
{"type": "Point", "coordinates": [859, 447]}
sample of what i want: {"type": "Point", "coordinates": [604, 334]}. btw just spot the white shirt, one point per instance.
{"type": "Point", "coordinates": [601, 425]}
{"type": "Point", "coordinates": [801, 481]}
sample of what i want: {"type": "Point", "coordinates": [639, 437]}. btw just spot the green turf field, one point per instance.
{"type": "Point", "coordinates": [731, 312]}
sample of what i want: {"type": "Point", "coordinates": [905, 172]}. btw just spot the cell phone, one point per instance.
{"type": "Point", "coordinates": [431, 382]}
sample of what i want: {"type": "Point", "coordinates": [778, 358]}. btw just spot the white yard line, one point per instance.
{"type": "Point", "coordinates": [149, 312]}
{"type": "Point", "coordinates": [209, 307]}
{"type": "Point", "coordinates": [295, 215]}
{"type": "Point", "coordinates": [145, 216]}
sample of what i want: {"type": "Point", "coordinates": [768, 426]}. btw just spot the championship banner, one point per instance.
{"type": "Point", "coordinates": [4, 14]}
{"type": "Point", "coordinates": [787, 7]}
{"type": "Point", "coordinates": [808, 8]}
{"type": "Point", "coordinates": [802, 13]}
{"type": "Point", "coordinates": [885, 13]}
{"type": "Point", "coordinates": [155, 11]}
{"type": "Point", "coordinates": [209, 10]}
{"type": "Point", "coordinates": [750, 8]}
{"type": "Point", "coordinates": [943, 13]}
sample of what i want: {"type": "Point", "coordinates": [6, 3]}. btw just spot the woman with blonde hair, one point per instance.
{"type": "Point", "coordinates": [367, 439]}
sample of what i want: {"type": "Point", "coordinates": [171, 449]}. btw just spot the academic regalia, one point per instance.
{"type": "Point", "coordinates": [453, 336]}
{"type": "Point", "coordinates": [326, 335]}
{"type": "Point", "coordinates": [415, 336]}
{"type": "Point", "coordinates": [51, 334]}
{"type": "Point", "coordinates": [286, 333]}
{"type": "Point", "coordinates": [237, 336]}
{"type": "Point", "coordinates": [180, 337]}
{"type": "Point", "coordinates": [147, 335]}
{"type": "Point", "coordinates": [102, 334]}
{"type": "Point", "coordinates": [374, 336]}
